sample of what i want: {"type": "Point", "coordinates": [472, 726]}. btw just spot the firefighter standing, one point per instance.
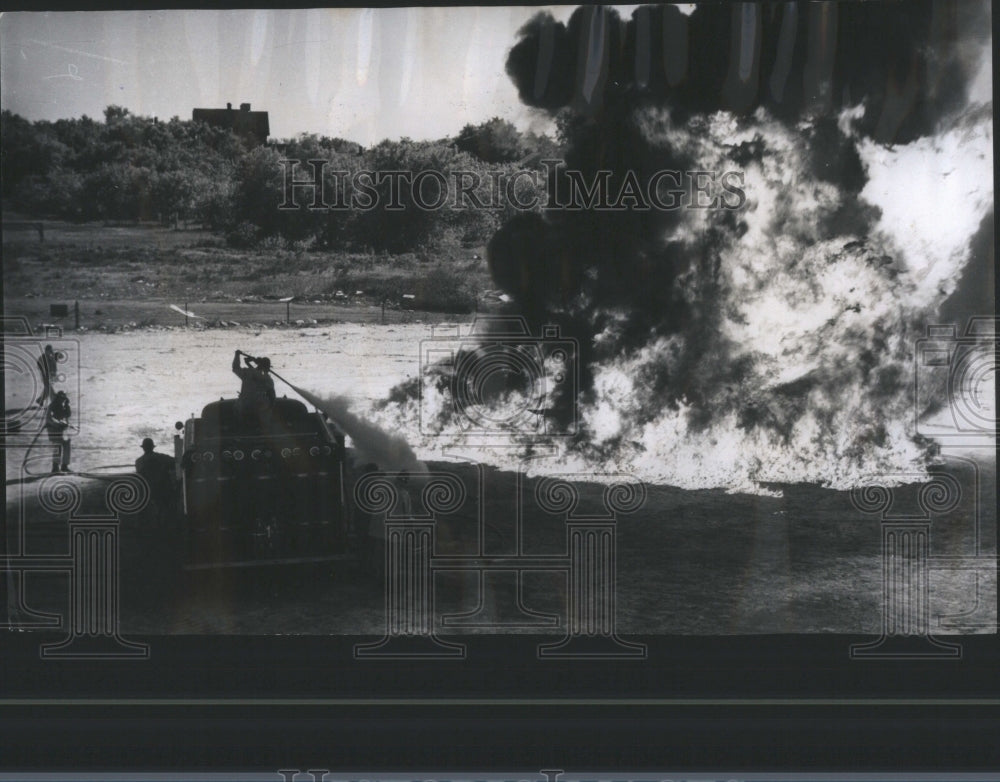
{"type": "Point", "coordinates": [158, 471]}
{"type": "Point", "coordinates": [56, 425]}
{"type": "Point", "coordinates": [257, 392]}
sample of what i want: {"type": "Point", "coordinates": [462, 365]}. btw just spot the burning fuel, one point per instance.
{"type": "Point", "coordinates": [736, 347]}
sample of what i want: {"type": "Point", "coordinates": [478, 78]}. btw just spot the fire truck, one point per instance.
{"type": "Point", "coordinates": [262, 492]}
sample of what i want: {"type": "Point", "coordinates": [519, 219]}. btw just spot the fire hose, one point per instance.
{"type": "Point", "coordinates": [305, 395]}
{"type": "Point", "coordinates": [30, 474]}
{"type": "Point", "coordinates": [76, 429]}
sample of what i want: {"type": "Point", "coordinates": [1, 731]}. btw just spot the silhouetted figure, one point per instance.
{"type": "Point", "coordinates": [56, 425]}
{"type": "Point", "coordinates": [257, 392]}
{"type": "Point", "coordinates": [159, 472]}
{"type": "Point", "coordinates": [47, 368]}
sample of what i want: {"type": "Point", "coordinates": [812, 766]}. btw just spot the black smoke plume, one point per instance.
{"type": "Point", "coordinates": [901, 59]}
{"type": "Point", "coordinates": [639, 96]}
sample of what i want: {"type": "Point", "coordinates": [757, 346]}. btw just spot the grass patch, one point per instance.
{"type": "Point", "coordinates": [95, 258]}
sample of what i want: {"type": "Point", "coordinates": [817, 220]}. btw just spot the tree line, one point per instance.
{"type": "Point", "coordinates": [134, 168]}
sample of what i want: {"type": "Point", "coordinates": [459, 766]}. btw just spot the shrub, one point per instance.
{"type": "Point", "coordinates": [242, 236]}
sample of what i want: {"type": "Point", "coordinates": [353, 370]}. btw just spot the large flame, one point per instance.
{"type": "Point", "coordinates": [775, 343]}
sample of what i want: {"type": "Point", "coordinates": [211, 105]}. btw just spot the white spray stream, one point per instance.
{"type": "Point", "coordinates": [373, 444]}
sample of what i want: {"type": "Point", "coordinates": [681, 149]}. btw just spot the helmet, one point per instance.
{"type": "Point", "coordinates": [147, 444]}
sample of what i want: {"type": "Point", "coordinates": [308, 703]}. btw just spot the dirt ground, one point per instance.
{"type": "Point", "coordinates": [793, 559]}
{"type": "Point", "coordinates": [688, 562]}
{"type": "Point", "coordinates": [127, 386]}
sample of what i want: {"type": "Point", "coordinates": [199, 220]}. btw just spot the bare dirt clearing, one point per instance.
{"type": "Point", "coordinates": [689, 562]}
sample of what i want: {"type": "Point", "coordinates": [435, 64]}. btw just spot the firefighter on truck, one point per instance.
{"type": "Point", "coordinates": [257, 392]}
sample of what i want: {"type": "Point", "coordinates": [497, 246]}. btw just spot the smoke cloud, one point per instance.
{"type": "Point", "coordinates": [774, 342]}
{"type": "Point", "coordinates": [902, 61]}
{"type": "Point", "coordinates": [373, 444]}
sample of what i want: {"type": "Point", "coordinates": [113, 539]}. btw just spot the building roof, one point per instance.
{"type": "Point", "coordinates": [242, 121]}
